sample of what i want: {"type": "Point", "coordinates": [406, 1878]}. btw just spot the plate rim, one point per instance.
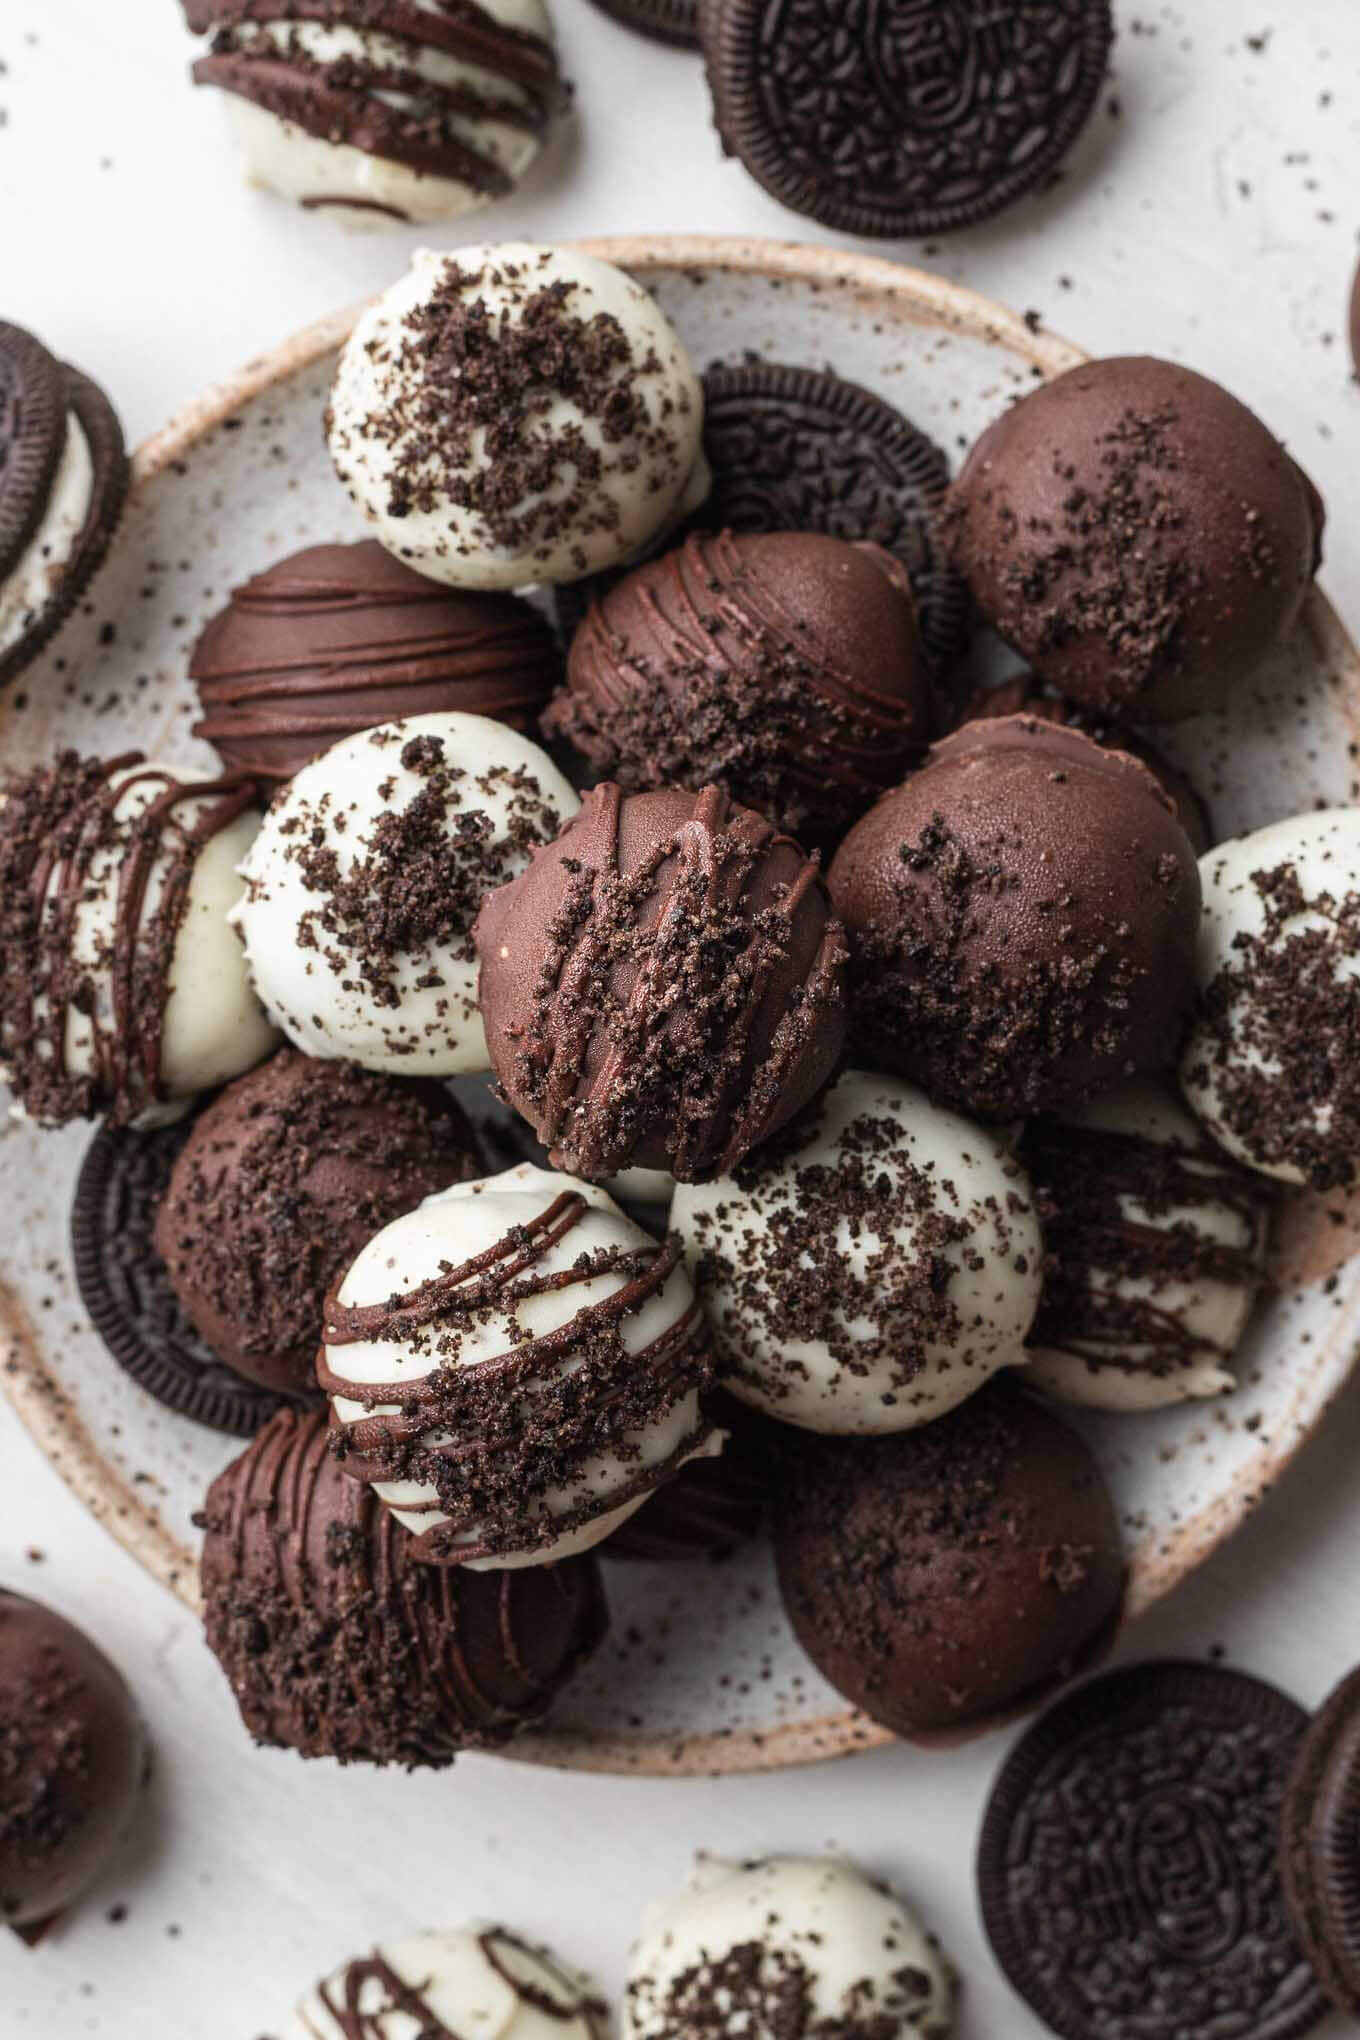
{"type": "Point", "coordinates": [43, 1405]}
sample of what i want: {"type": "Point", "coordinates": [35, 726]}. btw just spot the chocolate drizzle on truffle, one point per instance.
{"type": "Point", "coordinates": [401, 110]}
{"type": "Point", "coordinates": [341, 637]}
{"type": "Point", "coordinates": [58, 826]}
{"type": "Point", "coordinates": [368, 1993]}
{"type": "Point", "coordinates": [521, 1424]}
{"type": "Point", "coordinates": [785, 668]}
{"type": "Point", "coordinates": [337, 1644]}
{"type": "Point", "coordinates": [664, 986]}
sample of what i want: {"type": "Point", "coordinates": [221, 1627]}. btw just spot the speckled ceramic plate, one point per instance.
{"type": "Point", "coordinates": [702, 1674]}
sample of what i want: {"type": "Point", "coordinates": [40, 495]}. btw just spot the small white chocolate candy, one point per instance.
{"type": "Point", "coordinates": [130, 994]}
{"type": "Point", "coordinates": [468, 1983]}
{"type": "Point", "coordinates": [371, 121]}
{"type": "Point", "coordinates": [516, 414]}
{"type": "Point", "coordinates": [1271, 1066]}
{"type": "Point", "coordinates": [748, 1938]}
{"type": "Point", "coordinates": [875, 1275]}
{"type": "Point", "coordinates": [27, 589]}
{"type": "Point", "coordinates": [525, 1256]}
{"type": "Point", "coordinates": [362, 887]}
{"type": "Point", "coordinates": [1156, 1245]}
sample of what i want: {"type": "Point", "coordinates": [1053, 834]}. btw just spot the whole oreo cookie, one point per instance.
{"type": "Point", "coordinates": [124, 1285]}
{"type": "Point", "coordinates": [1320, 1845]}
{"type": "Point", "coordinates": [63, 482]}
{"type": "Point", "coordinates": [911, 118]}
{"type": "Point", "coordinates": [1128, 1869]}
{"type": "Point", "coordinates": [667, 21]}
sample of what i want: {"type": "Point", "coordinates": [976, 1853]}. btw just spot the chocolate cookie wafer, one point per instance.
{"type": "Point", "coordinates": [667, 21]}
{"type": "Point", "coordinates": [1320, 1845]}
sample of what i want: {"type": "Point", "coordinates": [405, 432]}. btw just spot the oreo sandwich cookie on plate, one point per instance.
{"type": "Point", "coordinates": [911, 117]}
{"type": "Point", "coordinates": [63, 482]}
{"type": "Point", "coordinates": [1320, 1845]}
{"type": "Point", "coordinates": [668, 21]}
{"type": "Point", "coordinates": [125, 1288]}
{"type": "Point", "coordinates": [1128, 1867]}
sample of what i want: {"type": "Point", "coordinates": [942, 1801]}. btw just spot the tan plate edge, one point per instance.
{"type": "Point", "coordinates": [42, 1405]}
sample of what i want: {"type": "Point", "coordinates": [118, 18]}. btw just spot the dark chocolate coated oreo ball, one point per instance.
{"type": "Point", "coordinates": [72, 1763]}
{"type": "Point", "coordinates": [1138, 535]}
{"type": "Point", "coordinates": [664, 987]}
{"type": "Point", "coordinates": [285, 1176]}
{"type": "Point", "coordinates": [1022, 917]}
{"type": "Point", "coordinates": [785, 668]}
{"type": "Point", "coordinates": [340, 638]}
{"type": "Point", "coordinates": [948, 1577]}
{"type": "Point", "coordinates": [336, 1642]}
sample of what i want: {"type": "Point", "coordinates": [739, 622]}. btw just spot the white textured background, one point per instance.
{"type": "Point", "coordinates": [1213, 218]}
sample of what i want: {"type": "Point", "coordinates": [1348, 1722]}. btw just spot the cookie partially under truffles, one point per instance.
{"type": "Point", "coordinates": [123, 990]}
{"type": "Point", "coordinates": [664, 987]}
{"type": "Point", "coordinates": [363, 885]}
{"type": "Point", "coordinates": [374, 110]}
{"type": "Point", "coordinates": [515, 1366]}
{"type": "Point", "coordinates": [338, 638]}
{"type": "Point", "coordinates": [63, 482]}
{"type": "Point", "coordinates": [952, 1576]}
{"type": "Point", "coordinates": [1271, 1067]}
{"type": "Point", "coordinates": [797, 1944]}
{"type": "Point", "coordinates": [72, 1762]}
{"type": "Point", "coordinates": [1022, 917]}
{"type": "Point", "coordinates": [515, 414]}
{"type": "Point", "coordinates": [1155, 1252]}
{"type": "Point", "coordinates": [1138, 535]}
{"type": "Point", "coordinates": [872, 1268]}
{"type": "Point", "coordinates": [786, 669]}
{"type": "Point", "coordinates": [474, 1981]}
{"type": "Point", "coordinates": [336, 1643]}
{"type": "Point", "coordinates": [283, 1179]}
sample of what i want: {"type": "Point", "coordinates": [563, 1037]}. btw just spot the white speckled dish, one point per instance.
{"type": "Point", "coordinates": [702, 1673]}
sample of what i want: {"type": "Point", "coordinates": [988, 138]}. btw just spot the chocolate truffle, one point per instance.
{"type": "Point", "coordinates": [786, 669]}
{"type": "Point", "coordinates": [1022, 918]}
{"type": "Point", "coordinates": [664, 986]}
{"type": "Point", "coordinates": [1271, 1067]}
{"type": "Point", "coordinates": [512, 414]}
{"type": "Point", "coordinates": [948, 1577]}
{"type": "Point", "coordinates": [1021, 696]}
{"type": "Point", "coordinates": [516, 1366]}
{"type": "Point", "coordinates": [284, 1177]}
{"type": "Point", "coordinates": [870, 1269]}
{"type": "Point", "coordinates": [337, 1644]}
{"type": "Point", "coordinates": [340, 637]}
{"type": "Point", "coordinates": [122, 988]}
{"type": "Point", "coordinates": [72, 1762]}
{"type": "Point", "coordinates": [796, 1945]}
{"type": "Point", "coordinates": [467, 1981]}
{"type": "Point", "coordinates": [378, 110]}
{"type": "Point", "coordinates": [1155, 1252]}
{"type": "Point", "coordinates": [1138, 535]}
{"type": "Point", "coordinates": [362, 887]}
{"type": "Point", "coordinates": [63, 482]}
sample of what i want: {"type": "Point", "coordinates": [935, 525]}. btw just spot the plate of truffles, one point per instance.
{"type": "Point", "coordinates": [681, 1029]}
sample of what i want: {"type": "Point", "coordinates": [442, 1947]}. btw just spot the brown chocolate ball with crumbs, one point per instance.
{"type": "Point", "coordinates": [1138, 535]}
{"type": "Point", "coordinates": [338, 638]}
{"type": "Point", "coordinates": [1022, 916]}
{"type": "Point", "coordinates": [947, 1578]}
{"type": "Point", "coordinates": [785, 668]}
{"type": "Point", "coordinates": [337, 1643]}
{"type": "Point", "coordinates": [664, 987]}
{"type": "Point", "coordinates": [284, 1177]}
{"type": "Point", "coordinates": [72, 1762]}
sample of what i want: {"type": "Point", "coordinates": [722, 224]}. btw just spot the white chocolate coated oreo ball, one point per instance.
{"type": "Point", "coordinates": [542, 1379]}
{"type": "Point", "coordinates": [1271, 1067]}
{"type": "Point", "coordinates": [481, 1982]}
{"type": "Point", "coordinates": [364, 882]}
{"type": "Point", "coordinates": [747, 1939]}
{"type": "Point", "coordinates": [516, 414]}
{"type": "Point", "coordinates": [873, 1275]}
{"type": "Point", "coordinates": [1155, 1243]}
